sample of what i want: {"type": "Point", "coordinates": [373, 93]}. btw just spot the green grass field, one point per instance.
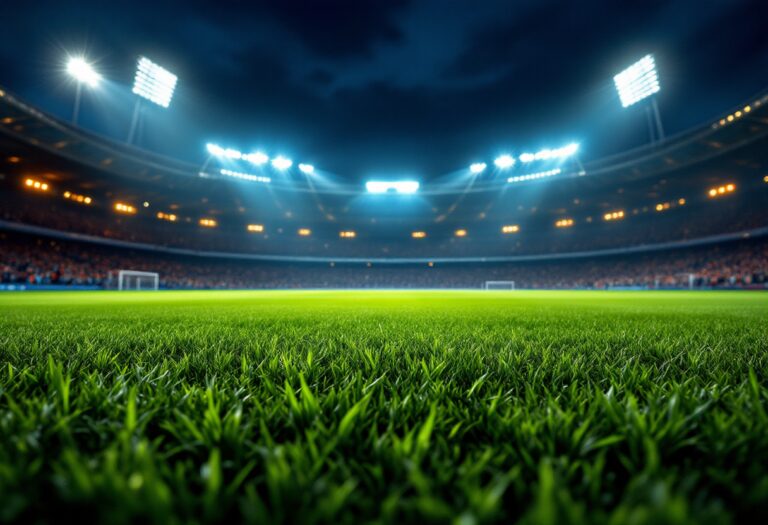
{"type": "Point", "coordinates": [387, 407]}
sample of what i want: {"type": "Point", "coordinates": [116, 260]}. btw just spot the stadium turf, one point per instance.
{"type": "Point", "coordinates": [350, 407]}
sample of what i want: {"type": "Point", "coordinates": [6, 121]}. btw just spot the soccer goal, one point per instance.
{"type": "Point", "coordinates": [499, 285]}
{"type": "Point", "coordinates": [133, 280]}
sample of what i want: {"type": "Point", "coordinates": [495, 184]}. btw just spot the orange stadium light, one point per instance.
{"type": "Point", "coordinates": [35, 184]}
{"type": "Point", "coordinates": [460, 233]}
{"type": "Point", "coordinates": [207, 223]}
{"type": "Point", "coordinates": [81, 199]}
{"type": "Point", "coordinates": [510, 228]}
{"type": "Point", "coordinates": [121, 207]}
{"type": "Point", "coordinates": [418, 235]}
{"type": "Point", "coordinates": [349, 234]}
{"type": "Point", "coordinates": [255, 228]}
{"type": "Point", "coordinates": [305, 232]}
{"type": "Point", "coordinates": [722, 190]}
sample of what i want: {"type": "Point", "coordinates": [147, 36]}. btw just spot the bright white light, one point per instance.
{"type": "Point", "coordinates": [638, 81]}
{"type": "Point", "coordinates": [548, 154]}
{"type": "Point", "coordinates": [570, 149]}
{"type": "Point", "coordinates": [233, 154]}
{"type": "Point", "coordinates": [527, 157]}
{"type": "Point", "coordinates": [154, 83]}
{"type": "Point", "coordinates": [307, 168]}
{"type": "Point", "coordinates": [245, 176]}
{"type": "Point", "coordinates": [281, 163]}
{"type": "Point", "coordinates": [216, 151]}
{"type": "Point", "coordinates": [534, 176]}
{"type": "Point", "coordinates": [399, 186]}
{"type": "Point", "coordinates": [83, 72]}
{"type": "Point", "coordinates": [504, 161]}
{"type": "Point", "coordinates": [478, 167]}
{"type": "Point", "coordinates": [258, 158]}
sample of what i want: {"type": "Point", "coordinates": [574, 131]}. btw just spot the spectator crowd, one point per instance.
{"type": "Point", "coordinates": [33, 260]}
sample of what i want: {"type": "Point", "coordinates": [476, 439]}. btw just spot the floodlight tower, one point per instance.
{"type": "Point", "coordinates": [639, 82]}
{"type": "Point", "coordinates": [152, 83]}
{"type": "Point", "coordinates": [83, 73]}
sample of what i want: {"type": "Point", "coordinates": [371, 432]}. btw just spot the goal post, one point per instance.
{"type": "Point", "coordinates": [134, 280]}
{"type": "Point", "coordinates": [499, 285]}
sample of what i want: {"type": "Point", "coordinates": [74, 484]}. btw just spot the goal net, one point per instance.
{"type": "Point", "coordinates": [499, 285]}
{"type": "Point", "coordinates": [133, 280]}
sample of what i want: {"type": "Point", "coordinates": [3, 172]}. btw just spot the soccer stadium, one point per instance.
{"type": "Point", "coordinates": [567, 326]}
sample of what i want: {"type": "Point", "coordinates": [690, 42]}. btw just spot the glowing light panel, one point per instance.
{"type": "Point", "coordinates": [504, 161]}
{"type": "Point", "coordinates": [258, 158]}
{"type": "Point", "coordinates": [154, 83]}
{"type": "Point", "coordinates": [401, 186]}
{"type": "Point", "coordinates": [244, 176]}
{"type": "Point", "coordinates": [638, 81]}
{"type": "Point", "coordinates": [478, 167]}
{"type": "Point", "coordinates": [534, 176]}
{"type": "Point", "coordinates": [83, 72]}
{"type": "Point", "coordinates": [281, 163]}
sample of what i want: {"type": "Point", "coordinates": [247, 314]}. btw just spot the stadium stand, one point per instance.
{"type": "Point", "coordinates": [31, 261]}
{"type": "Point", "coordinates": [74, 207]}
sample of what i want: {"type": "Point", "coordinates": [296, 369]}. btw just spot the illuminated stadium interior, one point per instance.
{"type": "Point", "coordinates": [420, 262]}
{"type": "Point", "coordinates": [706, 182]}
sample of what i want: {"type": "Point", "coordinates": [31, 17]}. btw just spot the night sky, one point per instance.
{"type": "Point", "coordinates": [362, 88]}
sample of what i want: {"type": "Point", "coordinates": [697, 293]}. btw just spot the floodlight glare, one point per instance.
{"type": "Point", "coordinates": [244, 176]}
{"type": "Point", "coordinates": [281, 163]}
{"type": "Point", "coordinates": [478, 167]}
{"type": "Point", "coordinates": [534, 176]}
{"type": "Point", "coordinates": [504, 161]}
{"type": "Point", "coordinates": [258, 158]}
{"type": "Point", "coordinates": [549, 154]}
{"type": "Point", "coordinates": [638, 81]}
{"type": "Point", "coordinates": [233, 154]}
{"type": "Point", "coordinates": [83, 72]}
{"type": "Point", "coordinates": [382, 186]}
{"type": "Point", "coordinates": [527, 157]}
{"type": "Point", "coordinates": [154, 83]}
{"type": "Point", "coordinates": [307, 168]}
{"type": "Point", "coordinates": [213, 149]}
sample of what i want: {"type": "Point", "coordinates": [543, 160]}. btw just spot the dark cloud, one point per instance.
{"type": "Point", "coordinates": [320, 77]}
{"type": "Point", "coordinates": [339, 29]}
{"type": "Point", "coordinates": [360, 86]}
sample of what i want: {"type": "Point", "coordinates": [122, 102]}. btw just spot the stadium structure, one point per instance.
{"type": "Point", "coordinates": [649, 218]}
{"type": "Point", "coordinates": [543, 335]}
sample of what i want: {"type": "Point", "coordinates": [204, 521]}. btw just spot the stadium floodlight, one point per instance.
{"type": "Point", "coordinates": [281, 163]}
{"type": "Point", "coordinates": [398, 186]}
{"type": "Point", "coordinates": [527, 157]}
{"type": "Point", "coordinates": [233, 154]}
{"type": "Point", "coordinates": [638, 81]}
{"type": "Point", "coordinates": [215, 150]}
{"type": "Point", "coordinates": [258, 158]}
{"type": "Point", "coordinates": [549, 154]}
{"type": "Point", "coordinates": [307, 168]}
{"type": "Point", "coordinates": [534, 176]}
{"type": "Point", "coordinates": [478, 167]}
{"type": "Point", "coordinates": [154, 83]}
{"type": "Point", "coordinates": [244, 176]}
{"type": "Point", "coordinates": [504, 161]}
{"type": "Point", "coordinates": [83, 73]}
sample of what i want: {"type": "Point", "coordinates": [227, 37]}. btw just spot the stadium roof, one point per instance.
{"type": "Point", "coordinates": [29, 125]}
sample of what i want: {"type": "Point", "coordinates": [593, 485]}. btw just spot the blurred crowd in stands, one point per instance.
{"type": "Point", "coordinates": [537, 234]}
{"type": "Point", "coordinates": [33, 260]}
